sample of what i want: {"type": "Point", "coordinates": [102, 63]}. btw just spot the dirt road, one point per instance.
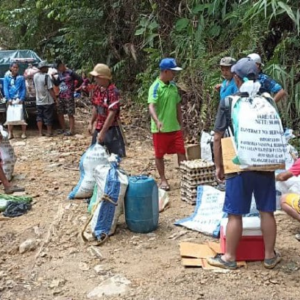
{"type": "Point", "coordinates": [140, 266]}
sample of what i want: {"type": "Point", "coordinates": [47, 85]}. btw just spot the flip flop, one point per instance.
{"type": "Point", "coordinates": [13, 189]}
{"type": "Point", "coordinates": [164, 187]}
{"type": "Point", "coordinates": [68, 133]}
{"type": "Point", "coordinates": [60, 131]}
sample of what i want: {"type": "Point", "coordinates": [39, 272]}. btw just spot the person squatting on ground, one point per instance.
{"type": "Point", "coordinates": [14, 91]}
{"type": "Point", "coordinates": [45, 98]}
{"type": "Point", "coordinates": [228, 86]}
{"type": "Point", "coordinates": [241, 186]}
{"type": "Point", "coordinates": [290, 203]}
{"type": "Point", "coordinates": [106, 112]}
{"type": "Point", "coordinates": [166, 119]}
{"type": "Point", "coordinates": [268, 84]}
{"type": "Point", "coordinates": [66, 102]}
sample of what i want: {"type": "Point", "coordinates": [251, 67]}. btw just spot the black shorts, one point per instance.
{"type": "Point", "coordinates": [66, 106]}
{"type": "Point", "coordinates": [45, 114]}
{"type": "Point", "coordinates": [113, 141]}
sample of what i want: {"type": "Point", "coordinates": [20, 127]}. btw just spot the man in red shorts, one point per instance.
{"type": "Point", "coordinates": [166, 119]}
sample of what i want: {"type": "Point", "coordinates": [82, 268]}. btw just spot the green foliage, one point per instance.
{"type": "Point", "coordinates": [132, 36]}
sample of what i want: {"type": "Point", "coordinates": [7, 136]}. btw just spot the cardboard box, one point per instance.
{"type": "Point", "coordinates": [251, 246]}
{"type": "Point", "coordinates": [228, 153]}
{"type": "Point", "coordinates": [193, 152]}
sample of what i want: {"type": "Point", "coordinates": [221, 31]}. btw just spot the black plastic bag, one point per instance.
{"type": "Point", "coordinates": [16, 209]}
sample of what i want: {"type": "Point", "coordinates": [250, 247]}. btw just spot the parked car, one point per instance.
{"type": "Point", "coordinates": [27, 61]}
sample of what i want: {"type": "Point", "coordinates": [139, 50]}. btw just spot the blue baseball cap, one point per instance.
{"type": "Point", "coordinates": [169, 64]}
{"type": "Point", "coordinates": [245, 68]}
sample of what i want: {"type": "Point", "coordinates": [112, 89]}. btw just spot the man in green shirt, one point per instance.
{"type": "Point", "coordinates": [166, 118]}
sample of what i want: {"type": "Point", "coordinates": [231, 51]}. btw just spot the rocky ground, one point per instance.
{"type": "Point", "coordinates": [60, 266]}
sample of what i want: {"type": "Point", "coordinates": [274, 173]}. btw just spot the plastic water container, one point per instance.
{"type": "Point", "coordinates": [141, 204]}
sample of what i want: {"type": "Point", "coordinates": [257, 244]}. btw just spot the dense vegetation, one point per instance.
{"type": "Point", "coordinates": [132, 36]}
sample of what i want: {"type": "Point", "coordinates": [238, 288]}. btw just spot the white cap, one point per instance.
{"type": "Point", "coordinates": [256, 58]}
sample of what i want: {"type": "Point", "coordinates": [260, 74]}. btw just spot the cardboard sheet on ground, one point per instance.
{"type": "Point", "coordinates": [196, 250]}
{"type": "Point", "coordinates": [215, 247]}
{"type": "Point", "coordinates": [195, 255]}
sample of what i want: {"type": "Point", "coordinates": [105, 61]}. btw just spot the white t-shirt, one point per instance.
{"type": "Point", "coordinates": [42, 88]}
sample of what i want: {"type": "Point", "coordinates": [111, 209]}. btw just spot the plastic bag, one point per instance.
{"type": "Point", "coordinates": [205, 143]}
{"type": "Point", "coordinates": [15, 115]}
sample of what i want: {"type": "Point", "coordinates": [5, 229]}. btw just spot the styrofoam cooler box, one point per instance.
{"type": "Point", "coordinates": [251, 246]}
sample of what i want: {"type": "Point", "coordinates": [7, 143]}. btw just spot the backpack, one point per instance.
{"type": "Point", "coordinates": [256, 130]}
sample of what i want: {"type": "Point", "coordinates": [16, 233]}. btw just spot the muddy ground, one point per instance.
{"type": "Point", "coordinates": [62, 267]}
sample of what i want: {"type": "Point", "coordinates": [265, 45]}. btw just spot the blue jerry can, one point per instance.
{"type": "Point", "coordinates": [141, 204]}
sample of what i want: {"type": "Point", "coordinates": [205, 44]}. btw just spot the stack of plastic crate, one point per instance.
{"type": "Point", "coordinates": [194, 173]}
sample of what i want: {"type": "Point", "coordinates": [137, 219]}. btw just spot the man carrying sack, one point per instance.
{"type": "Point", "coordinates": [240, 186]}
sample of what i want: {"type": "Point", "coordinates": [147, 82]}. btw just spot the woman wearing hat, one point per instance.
{"type": "Point", "coordinates": [106, 111]}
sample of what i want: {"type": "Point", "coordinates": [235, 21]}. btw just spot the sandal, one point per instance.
{"type": "Point", "coordinates": [12, 189]}
{"type": "Point", "coordinates": [217, 261]}
{"type": "Point", "coordinates": [60, 131]}
{"type": "Point", "coordinates": [271, 263]}
{"type": "Point", "coordinates": [68, 133]}
{"type": "Point", "coordinates": [164, 187]}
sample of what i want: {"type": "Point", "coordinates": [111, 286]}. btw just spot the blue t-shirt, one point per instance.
{"type": "Point", "coordinates": [268, 84]}
{"type": "Point", "coordinates": [228, 88]}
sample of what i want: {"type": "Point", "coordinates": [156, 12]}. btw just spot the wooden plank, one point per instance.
{"type": "Point", "coordinates": [196, 250]}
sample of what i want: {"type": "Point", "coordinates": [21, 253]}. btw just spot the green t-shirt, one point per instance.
{"type": "Point", "coordinates": [165, 97]}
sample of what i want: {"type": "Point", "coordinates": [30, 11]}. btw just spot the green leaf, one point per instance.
{"type": "Point", "coordinates": [140, 31]}
{"type": "Point", "coordinates": [153, 25]}
{"type": "Point", "coordinates": [200, 8]}
{"type": "Point", "coordinates": [288, 10]}
{"type": "Point", "coordinates": [215, 30]}
{"type": "Point", "coordinates": [182, 24]}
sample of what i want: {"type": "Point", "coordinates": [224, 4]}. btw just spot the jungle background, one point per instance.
{"type": "Point", "coordinates": [132, 36]}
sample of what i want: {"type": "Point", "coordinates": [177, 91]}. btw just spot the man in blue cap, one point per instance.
{"type": "Point", "coordinates": [241, 186]}
{"type": "Point", "coordinates": [166, 120]}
